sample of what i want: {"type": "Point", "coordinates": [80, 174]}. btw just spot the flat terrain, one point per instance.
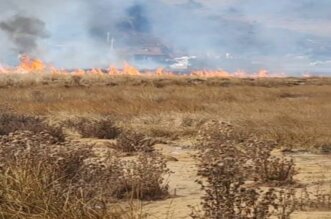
{"type": "Point", "coordinates": [293, 112]}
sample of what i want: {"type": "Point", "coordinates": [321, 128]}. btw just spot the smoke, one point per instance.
{"type": "Point", "coordinates": [282, 35]}
{"type": "Point", "coordinates": [24, 32]}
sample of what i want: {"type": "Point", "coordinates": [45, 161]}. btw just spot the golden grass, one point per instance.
{"type": "Point", "coordinates": [295, 112]}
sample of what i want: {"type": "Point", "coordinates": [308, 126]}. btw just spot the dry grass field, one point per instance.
{"type": "Point", "coordinates": [164, 147]}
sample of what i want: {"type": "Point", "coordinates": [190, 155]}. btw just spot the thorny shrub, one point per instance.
{"type": "Point", "coordinates": [225, 165]}
{"type": "Point", "coordinates": [103, 129]}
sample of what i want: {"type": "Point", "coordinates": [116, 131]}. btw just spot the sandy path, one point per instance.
{"type": "Point", "coordinates": [183, 188]}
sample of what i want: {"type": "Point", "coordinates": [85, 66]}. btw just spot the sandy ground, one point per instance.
{"type": "Point", "coordinates": [183, 188]}
{"type": "Point", "coordinates": [312, 170]}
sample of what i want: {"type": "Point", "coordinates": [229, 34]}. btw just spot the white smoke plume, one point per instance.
{"type": "Point", "coordinates": [287, 36]}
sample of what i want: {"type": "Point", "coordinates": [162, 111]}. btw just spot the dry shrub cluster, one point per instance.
{"type": "Point", "coordinates": [37, 179]}
{"type": "Point", "coordinates": [42, 178]}
{"type": "Point", "coordinates": [265, 167]}
{"type": "Point", "coordinates": [11, 122]}
{"type": "Point", "coordinates": [145, 178]}
{"type": "Point", "coordinates": [131, 141]}
{"type": "Point", "coordinates": [227, 163]}
{"type": "Point", "coordinates": [142, 178]}
{"type": "Point", "coordinates": [316, 199]}
{"type": "Point", "coordinates": [104, 128]}
{"type": "Point", "coordinates": [253, 153]}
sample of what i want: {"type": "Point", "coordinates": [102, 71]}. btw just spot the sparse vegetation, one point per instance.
{"type": "Point", "coordinates": [92, 128]}
{"type": "Point", "coordinates": [226, 164]}
{"type": "Point", "coordinates": [40, 178]}
{"type": "Point", "coordinates": [314, 199]}
{"type": "Point", "coordinates": [126, 125]}
{"type": "Point", "coordinates": [11, 122]}
{"type": "Point", "coordinates": [131, 141]}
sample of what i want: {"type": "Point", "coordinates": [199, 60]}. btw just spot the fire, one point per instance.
{"type": "Point", "coordinates": [3, 70]}
{"type": "Point", "coordinates": [237, 74]}
{"type": "Point", "coordinates": [220, 73]}
{"type": "Point", "coordinates": [113, 71]}
{"type": "Point", "coordinates": [31, 65]}
{"type": "Point", "coordinates": [130, 70]}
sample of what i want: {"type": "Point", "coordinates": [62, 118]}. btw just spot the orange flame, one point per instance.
{"type": "Point", "coordinates": [113, 71]}
{"type": "Point", "coordinates": [3, 70]}
{"type": "Point", "coordinates": [130, 70]}
{"type": "Point", "coordinates": [30, 65]}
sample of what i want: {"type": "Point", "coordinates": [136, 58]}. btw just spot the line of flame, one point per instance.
{"type": "Point", "coordinates": [29, 65]}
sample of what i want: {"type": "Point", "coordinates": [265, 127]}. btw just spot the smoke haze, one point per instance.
{"type": "Point", "coordinates": [283, 36]}
{"type": "Point", "coordinates": [24, 32]}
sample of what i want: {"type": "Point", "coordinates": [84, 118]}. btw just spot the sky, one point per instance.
{"type": "Point", "coordinates": [287, 36]}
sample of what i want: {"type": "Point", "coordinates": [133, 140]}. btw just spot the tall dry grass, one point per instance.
{"type": "Point", "coordinates": [294, 112]}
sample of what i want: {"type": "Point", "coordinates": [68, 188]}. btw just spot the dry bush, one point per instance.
{"type": "Point", "coordinates": [275, 171]}
{"type": "Point", "coordinates": [31, 192]}
{"type": "Point", "coordinates": [254, 153]}
{"type": "Point", "coordinates": [10, 122]}
{"type": "Point", "coordinates": [145, 178]}
{"type": "Point", "coordinates": [316, 199]}
{"type": "Point", "coordinates": [267, 168]}
{"type": "Point", "coordinates": [226, 164]}
{"type": "Point", "coordinates": [104, 128]}
{"type": "Point", "coordinates": [227, 196]}
{"type": "Point", "coordinates": [167, 126]}
{"type": "Point", "coordinates": [131, 141]}
{"type": "Point", "coordinates": [40, 179]}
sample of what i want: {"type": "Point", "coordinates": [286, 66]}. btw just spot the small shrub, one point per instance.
{"type": "Point", "coordinates": [227, 196]}
{"type": "Point", "coordinates": [277, 171]}
{"type": "Point", "coordinates": [40, 179]}
{"type": "Point", "coordinates": [33, 192]}
{"type": "Point", "coordinates": [10, 122]}
{"type": "Point", "coordinates": [316, 199]}
{"type": "Point", "coordinates": [256, 154]}
{"type": "Point", "coordinates": [102, 129]}
{"type": "Point", "coordinates": [144, 178]}
{"type": "Point", "coordinates": [225, 165]}
{"type": "Point", "coordinates": [131, 141]}
{"type": "Point", "coordinates": [325, 149]}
